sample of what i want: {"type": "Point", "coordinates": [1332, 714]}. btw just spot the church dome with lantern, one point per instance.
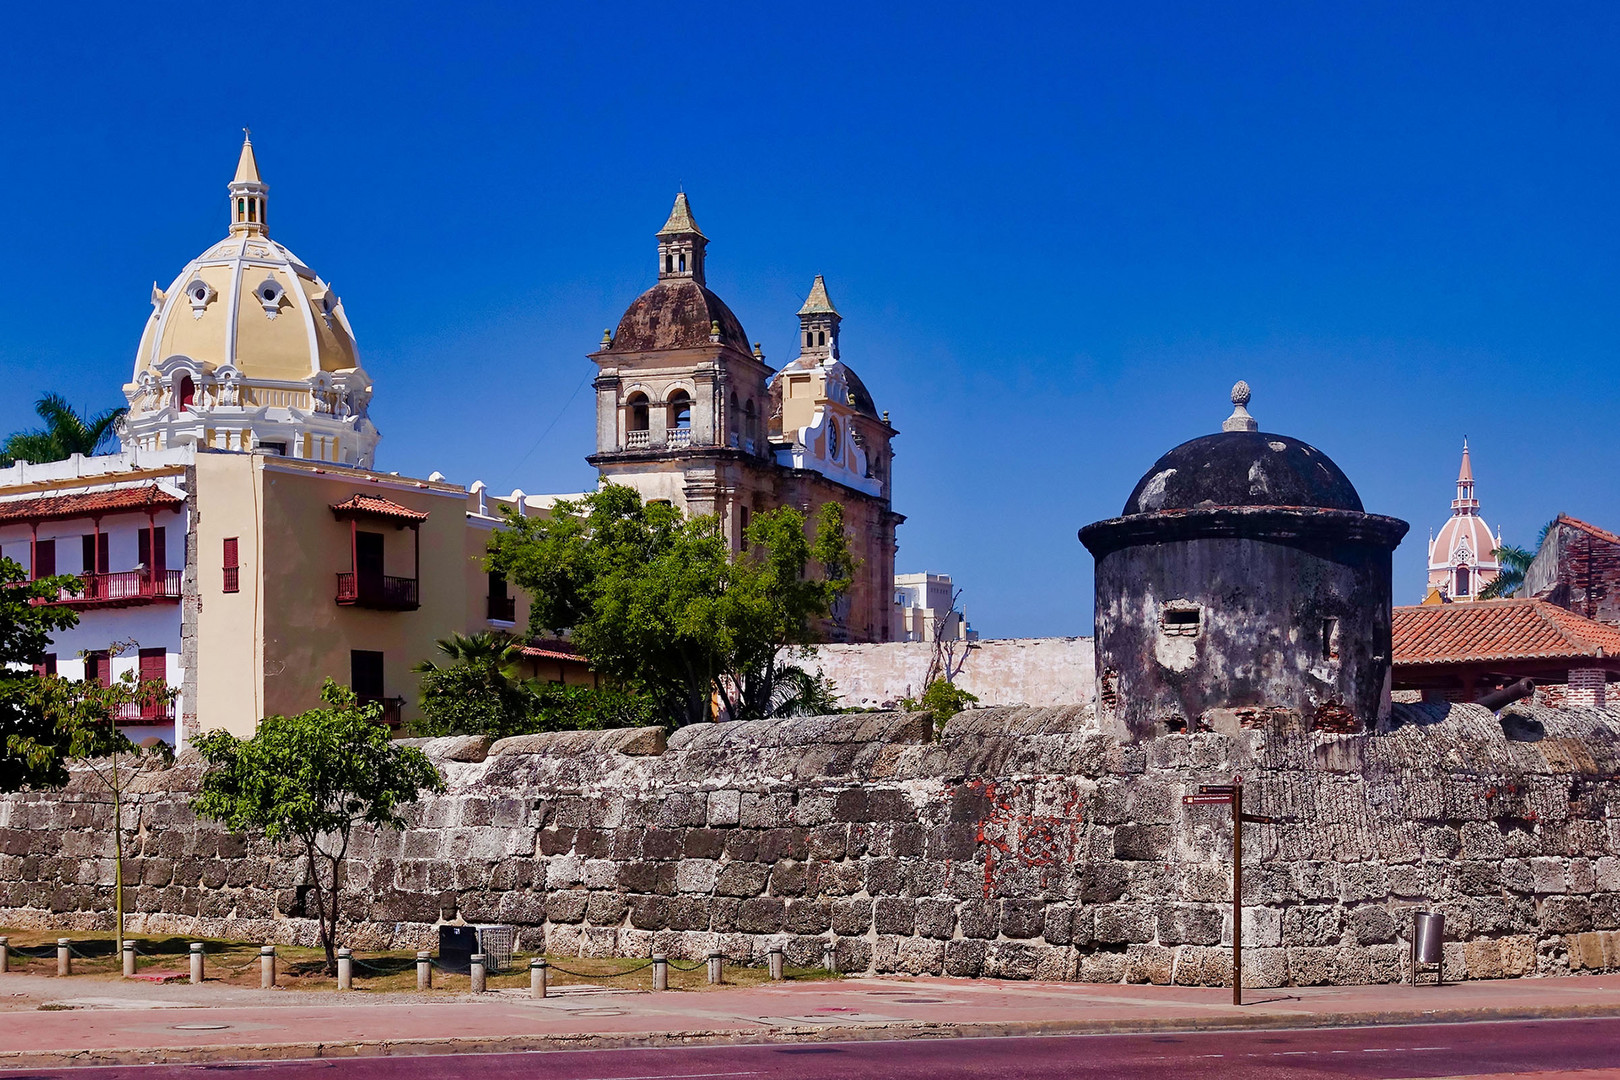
{"type": "Point", "coordinates": [248, 349]}
{"type": "Point", "coordinates": [1462, 556]}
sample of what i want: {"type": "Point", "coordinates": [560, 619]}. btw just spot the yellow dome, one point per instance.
{"type": "Point", "coordinates": [247, 348]}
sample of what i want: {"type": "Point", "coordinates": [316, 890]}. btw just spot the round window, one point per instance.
{"type": "Point", "coordinates": [834, 443]}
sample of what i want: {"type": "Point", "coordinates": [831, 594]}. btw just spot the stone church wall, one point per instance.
{"type": "Point", "coordinates": [1050, 671]}
{"type": "Point", "coordinates": [1020, 843]}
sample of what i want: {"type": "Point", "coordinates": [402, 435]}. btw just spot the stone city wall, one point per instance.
{"type": "Point", "coordinates": [1019, 843]}
{"type": "Point", "coordinates": [1052, 671]}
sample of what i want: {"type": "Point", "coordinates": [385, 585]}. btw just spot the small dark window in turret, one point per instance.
{"type": "Point", "coordinates": [1182, 622]}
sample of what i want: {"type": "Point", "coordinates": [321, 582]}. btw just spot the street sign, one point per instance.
{"type": "Point", "coordinates": [1216, 789]}
{"type": "Point", "coordinates": [1201, 800]}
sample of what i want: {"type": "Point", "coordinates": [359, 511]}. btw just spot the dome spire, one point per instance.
{"type": "Point", "coordinates": [681, 244]}
{"type": "Point", "coordinates": [1465, 502]}
{"type": "Point", "coordinates": [818, 323]}
{"type": "Point", "coordinates": [1240, 420]}
{"type": "Point", "coordinates": [249, 193]}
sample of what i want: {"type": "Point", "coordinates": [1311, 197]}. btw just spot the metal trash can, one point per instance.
{"type": "Point", "coordinates": [1428, 943]}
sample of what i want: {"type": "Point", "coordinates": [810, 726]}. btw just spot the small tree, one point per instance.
{"type": "Point", "coordinates": [309, 780]}
{"type": "Point", "coordinates": [85, 715]}
{"type": "Point", "coordinates": [942, 700]}
{"type": "Point", "coordinates": [66, 432]}
{"type": "Point", "coordinates": [33, 752]}
{"type": "Point", "coordinates": [479, 692]}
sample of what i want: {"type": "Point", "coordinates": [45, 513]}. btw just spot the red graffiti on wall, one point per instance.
{"type": "Point", "coordinates": [1012, 836]}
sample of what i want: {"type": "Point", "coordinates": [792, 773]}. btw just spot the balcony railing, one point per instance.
{"type": "Point", "coordinates": [377, 591]}
{"type": "Point", "coordinates": [123, 589]}
{"type": "Point", "coordinates": [637, 440]}
{"type": "Point", "coordinates": [503, 609]}
{"type": "Point", "coordinates": [678, 438]}
{"type": "Point", "coordinates": [145, 712]}
{"type": "Point", "coordinates": [392, 708]}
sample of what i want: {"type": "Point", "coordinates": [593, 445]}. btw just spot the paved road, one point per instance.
{"type": "Point", "coordinates": [1438, 1050]}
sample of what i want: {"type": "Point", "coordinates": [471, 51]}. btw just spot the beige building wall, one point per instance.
{"type": "Point", "coordinates": [230, 626]}
{"type": "Point", "coordinates": [1008, 671]}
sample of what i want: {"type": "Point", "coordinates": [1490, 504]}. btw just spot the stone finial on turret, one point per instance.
{"type": "Point", "coordinates": [1240, 420]}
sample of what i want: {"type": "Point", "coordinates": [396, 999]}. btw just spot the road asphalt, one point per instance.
{"type": "Point", "coordinates": [47, 1022]}
{"type": "Point", "coordinates": [1586, 1049]}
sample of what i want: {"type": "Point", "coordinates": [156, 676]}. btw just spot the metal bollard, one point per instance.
{"type": "Point", "coordinates": [715, 971]}
{"type": "Point", "coordinates": [196, 963]}
{"type": "Point", "coordinates": [829, 958]}
{"type": "Point", "coordinates": [424, 970]}
{"type": "Point", "coordinates": [129, 959]}
{"type": "Point", "coordinates": [345, 959]}
{"type": "Point", "coordinates": [660, 972]}
{"type": "Point", "coordinates": [267, 967]}
{"type": "Point", "coordinates": [64, 958]}
{"type": "Point", "coordinates": [775, 958]}
{"type": "Point", "coordinates": [477, 972]}
{"type": "Point", "coordinates": [5, 955]}
{"type": "Point", "coordinates": [539, 978]}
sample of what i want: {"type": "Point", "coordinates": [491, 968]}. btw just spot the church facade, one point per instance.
{"type": "Point", "coordinates": [689, 413]}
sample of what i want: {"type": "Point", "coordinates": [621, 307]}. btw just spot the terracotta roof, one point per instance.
{"type": "Point", "coordinates": [372, 506]}
{"type": "Point", "coordinates": [141, 499]}
{"type": "Point", "coordinates": [1487, 630]}
{"type": "Point", "coordinates": [552, 649]}
{"type": "Point", "coordinates": [1601, 534]}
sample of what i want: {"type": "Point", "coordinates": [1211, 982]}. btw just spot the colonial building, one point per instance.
{"type": "Point", "coordinates": [1462, 558]}
{"type": "Point", "coordinates": [1578, 568]}
{"type": "Point", "coordinates": [688, 412]}
{"type": "Point", "coordinates": [239, 547]}
{"type": "Point", "coordinates": [926, 609]}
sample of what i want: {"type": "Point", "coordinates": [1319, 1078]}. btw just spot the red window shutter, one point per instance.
{"type": "Point", "coordinates": [143, 548]}
{"type": "Point", "coordinates": [98, 668]}
{"type": "Point", "coordinates": [233, 573]}
{"type": "Point", "coordinates": [230, 551]}
{"type": "Point", "coordinates": [160, 557]}
{"type": "Point", "coordinates": [154, 665]}
{"type": "Point", "coordinates": [44, 559]}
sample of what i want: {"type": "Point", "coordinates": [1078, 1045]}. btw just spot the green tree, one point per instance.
{"type": "Point", "coordinates": [942, 699]}
{"type": "Point", "coordinates": [85, 716]}
{"type": "Point", "coordinates": [66, 432]}
{"type": "Point", "coordinates": [479, 691]}
{"type": "Point", "coordinates": [33, 752]}
{"type": "Point", "coordinates": [659, 604]}
{"type": "Point", "coordinates": [1515, 563]}
{"type": "Point", "coordinates": [309, 780]}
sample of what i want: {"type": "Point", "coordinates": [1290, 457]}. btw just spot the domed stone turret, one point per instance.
{"type": "Point", "coordinates": [248, 349]}
{"type": "Point", "coordinates": [1243, 575]}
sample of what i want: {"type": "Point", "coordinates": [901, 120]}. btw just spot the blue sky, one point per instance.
{"type": "Point", "coordinates": [1057, 234]}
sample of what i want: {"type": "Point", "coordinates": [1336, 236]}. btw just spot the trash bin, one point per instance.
{"type": "Point", "coordinates": [1428, 935]}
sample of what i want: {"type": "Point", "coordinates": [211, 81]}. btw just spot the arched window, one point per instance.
{"type": "Point", "coordinates": [809, 339]}
{"type": "Point", "coordinates": [669, 263]}
{"type": "Point", "coordinates": [188, 391]}
{"type": "Point", "coordinates": [680, 410]}
{"type": "Point", "coordinates": [1463, 581]}
{"type": "Point", "coordinates": [748, 419]}
{"type": "Point", "coordinates": [821, 338]}
{"type": "Point", "coordinates": [733, 418]}
{"type": "Point", "coordinates": [835, 444]}
{"type": "Point", "coordinates": [637, 412]}
{"type": "Point", "coordinates": [683, 262]}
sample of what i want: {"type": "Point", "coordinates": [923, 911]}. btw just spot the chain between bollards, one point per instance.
{"type": "Point", "coordinates": [539, 978]}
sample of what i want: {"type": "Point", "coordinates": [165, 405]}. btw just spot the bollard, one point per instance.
{"type": "Point", "coordinates": [775, 958]}
{"type": "Point", "coordinates": [64, 958]}
{"type": "Point", "coordinates": [5, 955]}
{"type": "Point", "coordinates": [267, 967]}
{"type": "Point", "coordinates": [660, 972]}
{"type": "Point", "coordinates": [477, 972]}
{"type": "Point", "coordinates": [196, 963]}
{"type": "Point", "coordinates": [715, 972]}
{"type": "Point", "coordinates": [345, 959]}
{"type": "Point", "coordinates": [539, 978]}
{"type": "Point", "coordinates": [829, 958]}
{"type": "Point", "coordinates": [129, 959]}
{"type": "Point", "coordinates": [424, 970]}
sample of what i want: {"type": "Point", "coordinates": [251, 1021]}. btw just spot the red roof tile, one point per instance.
{"type": "Point", "coordinates": [144, 498]}
{"type": "Point", "coordinates": [1601, 534]}
{"type": "Point", "coordinates": [552, 650]}
{"type": "Point", "coordinates": [1487, 630]}
{"type": "Point", "coordinates": [374, 507]}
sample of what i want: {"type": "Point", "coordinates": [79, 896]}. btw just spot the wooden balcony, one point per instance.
{"type": "Point", "coordinates": [378, 592]}
{"type": "Point", "coordinates": [146, 712]}
{"type": "Point", "coordinates": [126, 588]}
{"type": "Point", "coordinates": [392, 708]}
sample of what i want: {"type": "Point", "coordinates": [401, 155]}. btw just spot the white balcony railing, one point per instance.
{"type": "Point", "coordinates": [678, 438]}
{"type": "Point", "coordinates": [637, 440]}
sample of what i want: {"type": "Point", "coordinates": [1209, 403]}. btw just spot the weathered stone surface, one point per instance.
{"type": "Point", "coordinates": [1021, 843]}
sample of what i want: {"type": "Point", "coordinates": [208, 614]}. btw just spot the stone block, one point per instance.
{"type": "Point", "coordinates": [965, 959]}
{"type": "Point", "coordinates": [1141, 842]}
{"type": "Point", "coordinates": [1121, 923]}
{"type": "Point", "coordinates": [1311, 966]}
{"type": "Point", "coordinates": [703, 844]}
{"type": "Point", "coordinates": [603, 909]}
{"type": "Point", "coordinates": [808, 916]}
{"type": "Point", "coordinates": [741, 879]}
{"type": "Point", "coordinates": [851, 917]}
{"type": "Point", "coordinates": [936, 917]}
{"type": "Point", "coordinates": [1023, 918]}
{"type": "Point", "coordinates": [979, 918]}
{"type": "Point", "coordinates": [895, 916]}
{"type": "Point", "coordinates": [1565, 914]}
{"type": "Point", "coordinates": [762, 915]}
{"type": "Point", "coordinates": [725, 808]}
{"type": "Point", "coordinates": [1312, 925]}
{"type": "Point", "coordinates": [567, 906]}
{"type": "Point", "coordinates": [1188, 924]}
{"type": "Point", "coordinates": [1372, 925]}
{"type": "Point", "coordinates": [697, 875]}
{"type": "Point", "coordinates": [1149, 964]}
{"type": "Point", "coordinates": [1549, 875]}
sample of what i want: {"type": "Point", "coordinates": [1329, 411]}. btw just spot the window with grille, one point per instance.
{"type": "Point", "coordinates": [233, 572]}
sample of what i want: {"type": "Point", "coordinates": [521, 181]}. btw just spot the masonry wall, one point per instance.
{"type": "Point", "coordinates": [1011, 671]}
{"type": "Point", "coordinates": [1020, 843]}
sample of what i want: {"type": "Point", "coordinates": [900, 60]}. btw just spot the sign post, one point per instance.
{"type": "Point", "coordinates": [1232, 795]}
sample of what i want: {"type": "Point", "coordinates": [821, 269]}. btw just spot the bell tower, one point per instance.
{"type": "Point", "coordinates": [681, 244]}
{"type": "Point", "coordinates": [250, 195]}
{"type": "Point", "coordinates": [818, 324]}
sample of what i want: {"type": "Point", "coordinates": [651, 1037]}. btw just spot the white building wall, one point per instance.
{"type": "Point", "coordinates": [1010, 671]}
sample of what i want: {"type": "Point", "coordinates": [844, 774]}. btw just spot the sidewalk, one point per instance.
{"type": "Point", "coordinates": [46, 1021]}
